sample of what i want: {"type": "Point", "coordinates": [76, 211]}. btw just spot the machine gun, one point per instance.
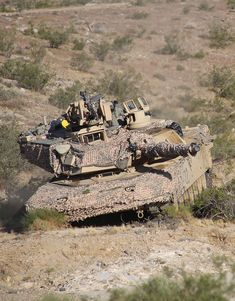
{"type": "Point", "coordinates": [90, 104]}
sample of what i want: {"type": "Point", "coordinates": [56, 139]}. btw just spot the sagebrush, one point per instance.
{"type": "Point", "coordinates": [63, 97]}
{"type": "Point", "coordinates": [29, 75]}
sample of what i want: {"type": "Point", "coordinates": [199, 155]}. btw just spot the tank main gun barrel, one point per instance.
{"type": "Point", "coordinates": [167, 150]}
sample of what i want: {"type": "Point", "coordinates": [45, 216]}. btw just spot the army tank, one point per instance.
{"type": "Point", "coordinates": [108, 157]}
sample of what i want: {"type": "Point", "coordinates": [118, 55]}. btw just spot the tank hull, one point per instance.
{"type": "Point", "coordinates": [174, 181]}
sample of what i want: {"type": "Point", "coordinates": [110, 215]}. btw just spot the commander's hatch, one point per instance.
{"type": "Point", "coordinates": [138, 112]}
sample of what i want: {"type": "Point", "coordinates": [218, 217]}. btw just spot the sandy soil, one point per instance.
{"type": "Point", "coordinates": [90, 261]}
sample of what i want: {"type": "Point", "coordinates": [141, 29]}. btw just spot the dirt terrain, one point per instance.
{"type": "Point", "coordinates": [90, 261]}
{"type": "Point", "coordinates": [165, 77]}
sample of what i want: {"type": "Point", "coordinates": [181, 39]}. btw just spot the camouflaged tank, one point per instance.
{"type": "Point", "coordinates": [108, 157]}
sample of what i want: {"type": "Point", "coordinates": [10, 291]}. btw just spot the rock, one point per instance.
{"type": "Point", "coordinates": [103, 276]}
{"type": "Point", "coordinates": [190, 25]}
{"type": "Point", "coordinates": [27, 285]}
{"type": "Point", "coordinates": [98, 28]}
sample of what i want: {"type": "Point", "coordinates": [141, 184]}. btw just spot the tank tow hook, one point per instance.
{"type": "Point", "coordinates": [140, 214]}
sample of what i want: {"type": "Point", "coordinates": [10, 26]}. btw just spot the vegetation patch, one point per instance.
{"type": "Point", "coordinates": [7, 41]}
{"type": "Point", "coordinates": [191, 103]}
{"type": "Point", "coordinates": [186, 9]}
{"type": "Point", "coordinates": [173, 45]}
{"type": "Point", "coordinates": [122, 85]}
{"type": "Point", "coordinates": [43, 219]}
{"type": "Point", "coordinates": [189, 287]}
{"type": "Point", "coordinates": [10, 161]}
{"type": "Point", "coordinates": [216, 203]}
{"type": "Point", "coordinates": [220, 35]}
{"type": "Point", "coordinates": [231, 4]}
{"type": "Point", "coordinates": [19, 5]}
{"type": "Point", "coordinates": [55, 37]}
{"type": "Point", "coordinates": [78, 44]}
{"type": "Point", "coordinates": [82, 62]}
{"type": "Point", "coordinates": [37, 52]}
{"type": "Point", "coordinates": [63, 97]}
{"type": "Point", "coordinates": [28, 74]}
{"type": "Point", "coordinates": [122, 43]}
{"type": "Point", "coordinates": [204, 5]}
{"type": "Point", "coordinates": [139, 15]}
{"type": "Point", "coordinates": [180, 67]}
{"type": "Point", "coordinates": [199, 54]}
{"type": "Point", "coordinates": [159, 76]}
{"type": "Point", "coordinates": [100, 50]}
{"type": "Point", "coordinates": [7, 94]}
{"type": "Point", "coordinates": [222, 81]}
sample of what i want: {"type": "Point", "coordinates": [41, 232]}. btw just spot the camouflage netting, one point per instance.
{"type": "Point", "coordinates": [116, 151]}
{"type": "Point", "coordinates": [145, 187]}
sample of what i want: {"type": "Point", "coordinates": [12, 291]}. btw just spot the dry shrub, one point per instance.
{"type": "Point", "coordinates": [220, 35]}
{"type": "Point", "coordinates": [82, 62]}
{"type": "Point", "coordinates": [122, 85]}
{"type": "Point", "coordinates": [7, 41]}
{"type": "Point", "coordinates": [63, 97]}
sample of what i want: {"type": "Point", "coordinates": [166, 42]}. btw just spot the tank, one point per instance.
{"type": "Point", "coordinates": [109, 157]}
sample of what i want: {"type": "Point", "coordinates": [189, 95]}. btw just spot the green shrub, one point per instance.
{"type": "Point", "coordinates": [62, 98]}
{"type": "Point", "coordinates": [122, 43]}
{"type": "Point", "coordinates": [122, 85]}
{"type": "Point", "coordinates": [231, 4]}
{"type": "Point", "coordinates": [204, 287]}
{"type": "Point", "coordinates": [159, 76]}
{"type": "Point", "coordinates": [180, 67]}
{"type": "Point", "coordinates": [220, 35]}
{"type": "Point", "coordinates": [215, 203]}
{"type": "Point", "coordinates": [29, 75]}
{"type": "Point", "coordinates": [29, 4]}
{"type": "Point", "coordinates": [82, 61]}
{"type": "Point", "coordinates": [35, 4]}
{"type": "Point", "coordinates": [10, 162]}
{"type": "Point", "coordinates": [78, 44]}
{"type": "Point", "coordinates": [5, 8]}
{"type": "Point", "coordinates": [199, 54]}
{"type": "Point", "coordinates": [43, 219]}
{"type": "Point", "coordinates": [7, 94]}
{"type": "Point", "coordinates": [222, 81]}
{"type": "Point", "coordinates": [7, 41]}
{"type": "Point", "coordinates": [182, 212]}
{"type": "Point", "coordinates": [73, 2]}
{"type": "Point", "coordinates": [204, 5]}
{"type": "Point", "coordinates": [139, 15]}
{"type": "Point", "coordinates": [191, 103]}
{"type": "Point", "coordinates": [55, 37]}
{"type": "Point", "coordinates": [224, 146]}
{"type": "Point", "coordinates": [220, 125]}
{"type": "Point", "coordinates": [186, 9]}
{"type": "Point", "coordinates": [100, 50]}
